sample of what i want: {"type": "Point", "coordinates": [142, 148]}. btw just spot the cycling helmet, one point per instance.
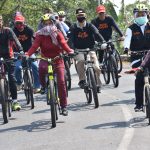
{"type": "Point", "coordinates": [46, 17]}
{"type": "Point", "coordinates": [61, 13]}
{"type": "Point", "coordinates": [140, 7]}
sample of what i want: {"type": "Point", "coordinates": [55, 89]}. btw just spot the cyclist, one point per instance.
{"type": "Point", "coordinates": [81, 36]}
{"type": "Point", "coordinates": [105, 24]}
{"type": "Point", "coordinates": [138, 39]}
{"type": "Point", "coordinates": [62, 19]}
{"type": "Point", "coordinates": [7, 38]}
{"type": "Point", "coordinates": [52, 43]}
{"type": "Point", "coordinates": [25, 35]}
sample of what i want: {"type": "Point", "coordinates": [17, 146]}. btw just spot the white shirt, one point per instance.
{"type": "Point", "coordinates": [128, 36]}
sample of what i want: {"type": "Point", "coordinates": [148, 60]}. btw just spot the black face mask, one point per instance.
{"type": "Point", "coordinates": [81, 19]}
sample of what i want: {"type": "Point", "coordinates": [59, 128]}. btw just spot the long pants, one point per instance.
{"type": "Point", "coordinates": [18, 74]}
{"type": "Point", "coordinates": [59, 70]}
{"type": "Point", "coordinates": [80, 66]}
{"type": "Point", "coordinates": [10, 67]}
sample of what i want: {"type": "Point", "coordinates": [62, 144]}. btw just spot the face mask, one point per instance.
{"type": "Point", "coordinates": [141, 20]}
{"type": "Point", "coordinates": [81, 19]}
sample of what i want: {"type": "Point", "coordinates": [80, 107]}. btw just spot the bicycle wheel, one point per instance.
{"type": "Point", "coordinates": [147, 102]}
{"type": "Point", "coordinates": [68, 75]}
{"type": "Point", "coordinates": [51, 99]}
{"type": "Point", "coordinates": [3, 100]}
{"type": "Point", "coordinates": [106, 71]}
{"type": "Point", "coordinates": [93, 86]}
{"type": "Point", "coordinates": [7, 93]}
{"type": "Point", "coordinates": [114, 71]}
{"type": "Point", "coordinates": [28, 88]}
{"type": "Point", "coordinates": [87, 90]}
{"type": "Point", "coordinates": [118, 60]}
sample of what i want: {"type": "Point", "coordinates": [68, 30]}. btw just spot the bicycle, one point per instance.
{"type": "Point", "coordinates": [91, 82]}
{"type": "Point", "coordinates": [27, 79]}
{"type": "Point", "coordinates": [109, 65]}
{"type": "Point", "coordinates": [5, 91]}
{"type": "Point", "coordinates": [52, 89]}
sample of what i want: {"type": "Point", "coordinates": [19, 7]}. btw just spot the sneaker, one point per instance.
{"type": "Point", "coordinates": [19, 87]}
{"type": "Point", "coordinates": [138, 108]}
{"type": "Point", "coordinates": [42, 90]}
{"type": "Point", "coordinates": [64, 111]}
{"type": "Point", "coordinates": [82, 84]}
{"type": "Point", "coordinates": [119, 75]}
{"type": "Point", "coordinates": [37, 90]}
{"type": "Point", "coordinates": [16, 106]}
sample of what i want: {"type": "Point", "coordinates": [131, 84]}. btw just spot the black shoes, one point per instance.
{"type": "Point", "coordinates": [138, 108]}
{"type": "Point", "coordinates": [82, 84]}
{"type": "Point", "coordinates": [98, 89]}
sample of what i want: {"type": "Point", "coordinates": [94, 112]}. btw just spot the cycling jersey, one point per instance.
{"type": "Point", "coordinates": [25, 37]}
{"type": "Point", "coordinates": [82, 38]}
{"type": "Point", "coordinates": [105, 27]}
{"type": "Point", "coordinates": [7, 41]}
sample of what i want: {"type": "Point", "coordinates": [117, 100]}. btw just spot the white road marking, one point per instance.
{"type": "Point", "coordinates": [129, 131]}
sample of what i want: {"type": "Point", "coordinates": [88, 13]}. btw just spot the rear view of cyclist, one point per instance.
{"type": "Point", "coordinates": [81, 36]}
{"type": "Point", "coordinates": [105, 24]}
{"type": "Point", "coordinates": [138, 39]}
{"type": "Point", "coordinates": [7, 38]}
{"type": "Point", "coordinates": [51, 42]}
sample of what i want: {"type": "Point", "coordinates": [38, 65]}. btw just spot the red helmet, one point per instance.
{"type": "Point", "coordinates": [100, 8]}
{"type": "Point", "coordinates": [19, 18]}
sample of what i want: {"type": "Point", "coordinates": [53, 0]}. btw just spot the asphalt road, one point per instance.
{"type": "Point", "coordinates": [113, 126]}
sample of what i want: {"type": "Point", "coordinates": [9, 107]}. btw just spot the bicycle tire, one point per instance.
{"type": "Point", "coordinates": [93, 86]}
{"type": "Point", "coordinates": [68, 75]}
{"type": "Point", "coordinates": [51, 99]}
{"type": "Point", "coordinates": [119, 61]}
{"type": "Point", "coordinates": [147, 102]}
{"type": "Point", "coordinates": [29, 88]}
{"type": "Point", "coordinates": [106, 71]}
{"type": "Point", "coordinates": [7, 92]}
{"type": "Point", "coordinates": [114, 71]}
{"type": "Point", "coordinates": [87, 90]}
{"type": "Point", "coordinates": [3, 100]}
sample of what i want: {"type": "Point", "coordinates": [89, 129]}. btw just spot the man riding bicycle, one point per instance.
{"type": "Point", "coordinates": [7, 39]}
{"type": "Point", "coordinates": [25, 35]}
{"type": "Point", "coordinates": [81, 36]}
{"type": "Point", "coordinates": [52, 42]}
{"type": "Point", "coordinates": [105, 24]}
{"type": "Point", "coordinates": [138, 39]}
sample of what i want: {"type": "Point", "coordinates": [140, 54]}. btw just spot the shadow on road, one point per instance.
{"type": "Point", "coordinates": [130, 91]}
{"type": "Point", "coordinates": [138, 122]}
{"type": "Point", "coordinates": [127, 102]}
{"type": "Point", "coordinates": [41, 111]}
{"type": "Point", "coordinates": [80, 106]}
{"type": "Point", "coordinates": [37, 126]}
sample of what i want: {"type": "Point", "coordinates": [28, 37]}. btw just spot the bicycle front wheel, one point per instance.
{"type": "Point", "coordinates": [147, 102]}
{"type": "Point", "coordinates": [93, 86]}
{"type": "Point", "coordinates": [51, 100]}
{"type": "Point", "coordinates": [28, 88]}
{"type": "Point", "coordinates": [3, 100]}
{"type": "Point", "coordinates": [114, 71]}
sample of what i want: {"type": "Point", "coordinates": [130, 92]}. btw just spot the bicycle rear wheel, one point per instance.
{"type": "Point", "coordinates": [51, 100]}
{"type": "Point", "coordinates": [4, 103]}
{"type": "Point", "coordinates": [28, 88]}
{"type": "Point", "coordinates": [114, 71]}
{"type": "Point", "coordinates": [93, 86]}
{"type": "Point", "coordinates": [147, 102]}
{"type": "Point", "coordinates": [119, 61]}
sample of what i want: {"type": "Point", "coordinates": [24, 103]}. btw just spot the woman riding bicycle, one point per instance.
{"type": "Point", "coordinates": [52, 42]}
